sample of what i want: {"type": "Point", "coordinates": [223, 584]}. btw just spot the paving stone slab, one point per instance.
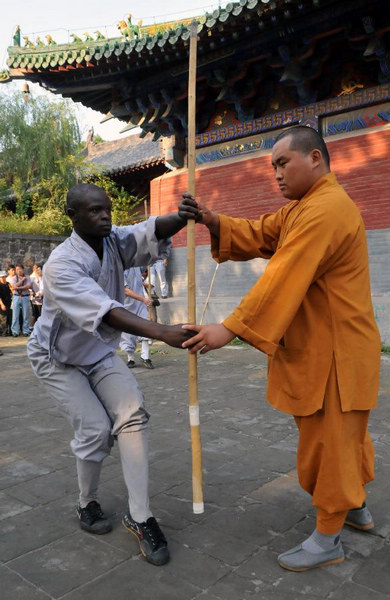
{"type": "Point", "coordinates": [218, 544]}
{"type": "Point", "coordinates": [14, 587]}
{"type": "Point", "coordinates": [256, 522]}
{"type": "Point", "coordinates": [352, 591]}
{"type": "Point", "coordinates": [375, 573]}
{"type": "Point", "coordinates": [9, 507]}
{"type": "Point", "coordinates": [137, 580]}
{"type": "Point", "coordinates": [68, 563]}
{"type": "Point", "coordinates": [46, 488]}
{"type": "Point", "coordinates": [34, 529]}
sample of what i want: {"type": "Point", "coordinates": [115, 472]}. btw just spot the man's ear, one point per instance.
{"type": "Point", "coordinates": [70, 212]}
{"type": "Point", "coordinates": [316, 156]}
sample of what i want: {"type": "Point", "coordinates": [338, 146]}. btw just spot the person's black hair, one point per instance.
{"type": "Point", "coordinates": [10, 267]}
{"type": "Point", "coordinates": [305, 139]}
{"type": "Point", "coordinates": [19, 265]}
{"type": "Point", "coordinates": [78, 193]}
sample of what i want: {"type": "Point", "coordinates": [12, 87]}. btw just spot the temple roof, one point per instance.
{"type": "Point", "coordinates": [255, 57]}
{"type": "Point", "coordinates": [124, 155]}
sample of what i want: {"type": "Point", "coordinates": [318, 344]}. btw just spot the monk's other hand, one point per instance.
{"type": "Point", "coordinates": [208, 337]}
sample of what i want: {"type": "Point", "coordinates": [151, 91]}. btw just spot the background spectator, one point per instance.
{"type": "Point", "coordinates": [36, 294]}
{"type": "Point", "coordinates": [5, 305]}
{"type": "Point", "coordinates": [21, 286]}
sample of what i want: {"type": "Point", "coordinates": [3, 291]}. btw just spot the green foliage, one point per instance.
{"type": "Point", "coordinates": [386, 349]}
{"type": "Point", "coordinates": [237, 342]}
{"type": "Point", "coordinates": [39, 164]}
{"type": "Point", "coordinates": [49, 223]}
{"type": "Point", "coordinates": [49, 196]}
{"type": "Point", "coordinates": [35, 134]}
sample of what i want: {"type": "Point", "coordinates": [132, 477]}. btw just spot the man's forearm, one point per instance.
{"type": "Point", "coordinates": [168, 225]}
{"type": "Point", "coordinates": [213, 224]}
{"type": "Point", "coordinates": [123, 320]}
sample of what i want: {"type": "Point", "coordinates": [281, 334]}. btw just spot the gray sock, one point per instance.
{"type": "Point", "coordinates": [320, 542]}
{"type": "Point", "coordinates": [88, 474]}
{"type": "Point", "coordinates": [133, 448]}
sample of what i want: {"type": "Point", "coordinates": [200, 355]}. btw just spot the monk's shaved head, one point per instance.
{"type": "Point", "coordinates": [305, 139]}
{"type": "Point", "coordinates": [78, 194]}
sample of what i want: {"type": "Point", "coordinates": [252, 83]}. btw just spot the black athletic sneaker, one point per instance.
{"type": "Point", "coordinates": [151, 539]}
{"type": "Point", "coordinates": [92, 518]}
{"type": "Point", "coordinates": [147, 363]}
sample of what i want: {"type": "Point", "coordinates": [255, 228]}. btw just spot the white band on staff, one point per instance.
{"type": "Point", "coordinates": [198, 507]}
{"type": "Point", "coordinates": [194, 415]}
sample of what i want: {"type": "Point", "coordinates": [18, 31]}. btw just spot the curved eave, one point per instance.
{"type": "Point", "coordinates": [23, 60]}
{"type": "Point", "coordinates": [139, 166]}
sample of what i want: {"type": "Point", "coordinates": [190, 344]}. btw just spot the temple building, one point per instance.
{"type": "Point", "coordinates": [263, 65]}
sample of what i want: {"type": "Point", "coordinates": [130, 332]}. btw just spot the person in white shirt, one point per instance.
{"type": "Point", "coordinates": [137, 302]}
{"type": "Point", "coordinates": [157, 271]}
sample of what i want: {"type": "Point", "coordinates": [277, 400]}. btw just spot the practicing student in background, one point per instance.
{"type": "Point", "coordinates": [73, 353]}
{"type": "Point", "coordinates": [311, 313]}
{"type": "Point", "coordinates": [137, 302]}
{"type": "Point", "coordinates": [158, 271]}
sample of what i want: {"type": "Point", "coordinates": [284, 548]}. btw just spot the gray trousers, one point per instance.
{"type": "Point", "coordinates": [100, 402]}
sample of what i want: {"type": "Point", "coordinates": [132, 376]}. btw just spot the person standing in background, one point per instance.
{"type": "Point", "coordinates": [157, 270]}
{"type": "Point", "coordinates": [5, 305]}
{"type": "Point", "coordinates": [138, 303]}
{"type": "Point", "coordinates": [21, 286]}
{"type": "Point", "coordinates": [37, 294]}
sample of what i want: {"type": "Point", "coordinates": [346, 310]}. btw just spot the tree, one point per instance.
{"type": "Point", "coordinates": [35, 134]}
{"type": "Point", "coordinates": [40, 161]}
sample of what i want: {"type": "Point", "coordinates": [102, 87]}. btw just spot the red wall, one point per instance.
{"type": "Point", "coordinates": [246, 188]}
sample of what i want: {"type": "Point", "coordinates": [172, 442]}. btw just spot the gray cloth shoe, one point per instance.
{"type": "Point", "coordinates": [298, 559]}
{"type": "Point", "coordinates": [360, 518]}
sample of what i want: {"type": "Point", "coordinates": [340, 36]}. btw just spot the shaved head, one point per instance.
{"type": "Point", "coordinates": [305, 139]}
{"type": "Point", "coordinates": [78, 194]}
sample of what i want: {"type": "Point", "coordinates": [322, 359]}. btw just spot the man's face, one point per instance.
{"type": "Point", "coordinates": [20, 271]}
{"type": "Point", "coordinates": [3, 278]}
{"type": "Point", "coordinates": [92, 218]}
{"type": "Point", "coordinates": [11, 272]}
{"type": "Point", "coordinates": [295, 173]}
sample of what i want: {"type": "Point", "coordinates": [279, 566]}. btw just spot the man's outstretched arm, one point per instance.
{"type": "Point", "coordinates": [168, 225]}
{"type": "Point", "coordinates": [123, 320]}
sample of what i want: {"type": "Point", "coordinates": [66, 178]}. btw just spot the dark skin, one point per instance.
{"type": "Point", "coordinates": [92, 222]}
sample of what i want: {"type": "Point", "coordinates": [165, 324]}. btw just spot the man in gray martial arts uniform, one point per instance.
{"type": "Point", "coordinates": [73, 353]}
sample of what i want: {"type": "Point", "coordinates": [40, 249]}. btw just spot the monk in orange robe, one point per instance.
{"type": "Point", "coordinates": [311, 313]}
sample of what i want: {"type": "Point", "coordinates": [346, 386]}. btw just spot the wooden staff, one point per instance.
{"type": "Point", "coordinates": [149, 286]}
{"type": "Point", "coordinates": [197, 492]}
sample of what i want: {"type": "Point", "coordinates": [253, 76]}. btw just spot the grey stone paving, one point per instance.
{"type": "Point", "coordinates": [254, 507]}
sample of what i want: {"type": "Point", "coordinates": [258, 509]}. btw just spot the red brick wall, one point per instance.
{"type": "Point", "coordinates": [246, 188]}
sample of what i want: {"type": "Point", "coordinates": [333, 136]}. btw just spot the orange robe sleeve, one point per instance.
{"type": "Point", "coordinates": [313, 301]}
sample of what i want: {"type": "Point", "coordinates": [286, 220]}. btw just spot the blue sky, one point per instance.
{"type": "Point", "coordinates": [60, 19]}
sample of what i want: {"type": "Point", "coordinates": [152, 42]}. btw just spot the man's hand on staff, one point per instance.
{"type": "Point", "coordinates": [208, 337]}
{"type": "Point", "coordinates": [175, 336]}
{"type": "Point", "coordinates": [189, 208]}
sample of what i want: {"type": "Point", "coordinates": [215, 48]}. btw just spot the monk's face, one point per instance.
{"type": "Point", "coordinates": [295, 172]}
{"type": "Point", "coordinates": [92, 217]}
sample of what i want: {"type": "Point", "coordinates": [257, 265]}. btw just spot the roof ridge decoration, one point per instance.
{"type": "Point", "coordinates": [39, 55]}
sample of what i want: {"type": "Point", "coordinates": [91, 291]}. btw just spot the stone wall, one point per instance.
{"type": "Point", "coordinates": [26, 249]}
